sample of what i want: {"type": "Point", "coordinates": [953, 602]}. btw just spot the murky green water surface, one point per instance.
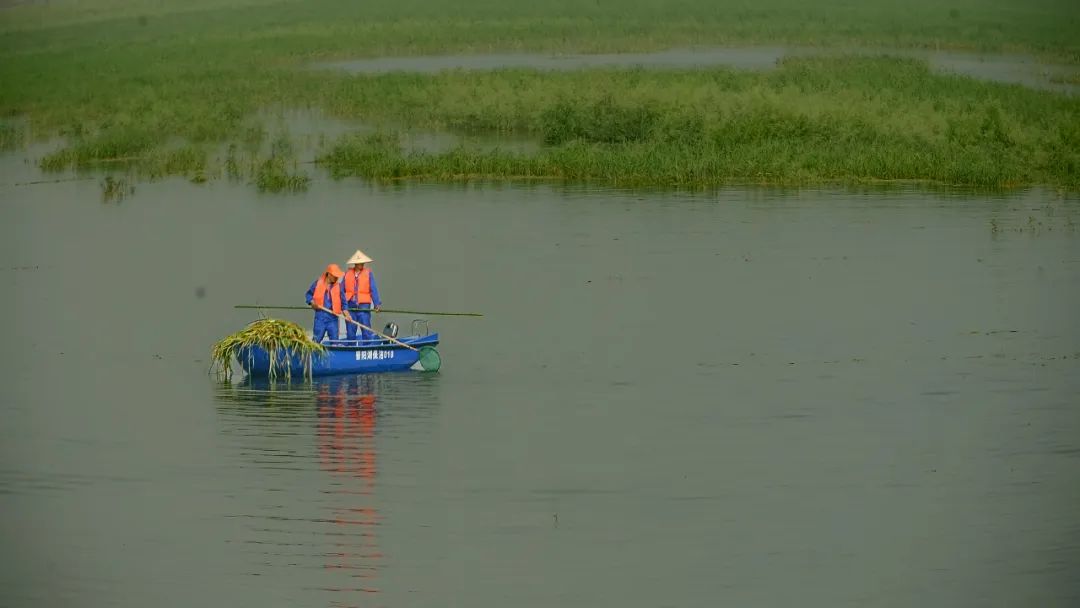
{"type": "Point", "coordinates": [1007, 68]}
{"type": "Point", "coordinates": [749, 397]}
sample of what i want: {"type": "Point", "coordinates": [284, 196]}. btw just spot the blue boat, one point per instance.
{"type": "Point", "coordinates": [347, 357]}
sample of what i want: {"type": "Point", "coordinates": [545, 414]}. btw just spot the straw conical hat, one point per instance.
{"type": "Point", "coordinates": [359, 258]}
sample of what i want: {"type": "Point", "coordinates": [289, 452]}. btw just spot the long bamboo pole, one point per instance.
{"type": "Point", "coordinates": [407, 312]}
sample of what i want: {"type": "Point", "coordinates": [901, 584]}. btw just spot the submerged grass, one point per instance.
{"type": "Point", "coordinates": [1073, 79]}
{"type": "Point", "coordinates": [283, 339]}
{"type": "Point", "coordinates": [125, 81]}
{"type": "Point", "coordinates": [10, 136]}
{"type": "Point", "coordinates": [115, 189]}
{"type": "Point", "coordinates": [141, 155]}
{"type": "Point", "coordinates": [272, 175]}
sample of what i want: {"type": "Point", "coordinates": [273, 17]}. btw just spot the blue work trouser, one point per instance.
{"type": "Point", "coordinates": [325, 324]}
{"type": "Point", "coordinates": [360, 316]}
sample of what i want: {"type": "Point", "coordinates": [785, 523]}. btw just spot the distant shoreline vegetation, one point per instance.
{"type": "Point", "coordinates": [815, 120]}
{"type": "Point", "coordinates": [186, 104]}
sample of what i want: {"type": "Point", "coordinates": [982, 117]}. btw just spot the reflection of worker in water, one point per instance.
{"type": "Point", "coordinates": [346, 434]}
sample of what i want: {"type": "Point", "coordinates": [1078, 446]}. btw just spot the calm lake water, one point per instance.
{"type": "Point", "coordinates": [740, 398]}
{"type": "Point", "coordinates": [1008, 68]}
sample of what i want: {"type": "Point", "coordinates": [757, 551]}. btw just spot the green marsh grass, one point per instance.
{"type": "Point", "coordinates": [840, 119]}
{"type": "Point", "coordinates": [269, 30]}
{"type": "Point", "coordinates": [274, 175]}
{"type": "Point", "coordinates": [124, 81]}
{"type": "Point", "coordinates": [137, 155]}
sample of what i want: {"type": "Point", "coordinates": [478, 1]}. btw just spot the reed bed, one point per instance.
{"type": "Point", "coordinates": [202, 30]}
{"type": "Point", "coordinates": [124, 81]}
{"type": "Point", "coordinates": [273, 175]}
{"type": "Point", "coordinates": [814, 120]}
{"type": "Point", "coordinates": [283, 339]}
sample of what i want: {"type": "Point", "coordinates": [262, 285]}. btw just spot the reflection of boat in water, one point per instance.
{"type": "Point", "coordinates": [323, 443]}
{"type": "Point", "coordinates": [347, 417]}
{"type": "Point", "coordinates": [342, 412]}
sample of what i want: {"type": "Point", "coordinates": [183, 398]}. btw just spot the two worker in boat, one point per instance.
{"type": "Point", "coordinates": [352, 292]}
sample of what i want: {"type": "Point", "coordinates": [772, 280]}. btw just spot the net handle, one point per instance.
{"type": "Point", "coordinates": [362, 326]}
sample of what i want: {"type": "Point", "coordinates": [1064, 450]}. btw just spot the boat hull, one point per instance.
{"type": "Point", "coordinates": [342, 357]}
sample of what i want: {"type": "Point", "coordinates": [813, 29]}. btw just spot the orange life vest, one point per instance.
{"type": "Point", "coordinates": [319, 297]}
{"type": "Point", "coordinates": [358, 286]}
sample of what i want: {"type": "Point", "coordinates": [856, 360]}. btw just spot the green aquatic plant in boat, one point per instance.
{"type": "Point", "coordinates": [277, 337]}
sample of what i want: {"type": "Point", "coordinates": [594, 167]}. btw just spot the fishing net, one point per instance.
{"type": "Point", "coordinates": [430, 359]}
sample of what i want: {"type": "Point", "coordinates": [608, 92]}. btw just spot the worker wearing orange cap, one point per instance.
{"type": "Point", "coordinates": [327, 293]}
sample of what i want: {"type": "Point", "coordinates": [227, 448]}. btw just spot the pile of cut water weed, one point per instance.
{"type": "Point", "coordinates": [281, 339]}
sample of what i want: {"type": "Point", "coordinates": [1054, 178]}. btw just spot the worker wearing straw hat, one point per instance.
{"type": "Point", "coordinates": [360, 292]}
{"type": "Point", "coordinates": [327, 292]}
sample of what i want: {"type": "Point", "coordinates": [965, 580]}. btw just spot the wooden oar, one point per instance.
{"type": "Point", "coordinates": [362, 326]}
{"type": "Point", "coordinates": [404, 312]}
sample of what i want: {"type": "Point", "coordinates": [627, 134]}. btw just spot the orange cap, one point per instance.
{"type": "Point", "coordinates": [335, 270]}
